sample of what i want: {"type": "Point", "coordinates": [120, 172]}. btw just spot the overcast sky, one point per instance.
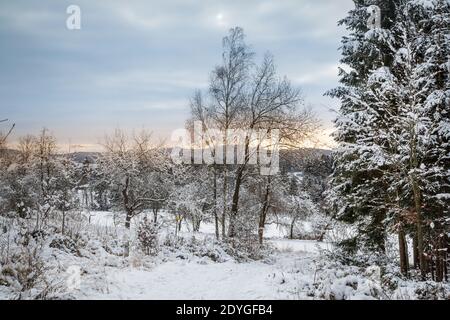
{"type": "Point", "coordinates": [134, 64]}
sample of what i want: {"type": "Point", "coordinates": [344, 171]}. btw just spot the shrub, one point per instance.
{"type": "Point", "coordinates": [147, 235]}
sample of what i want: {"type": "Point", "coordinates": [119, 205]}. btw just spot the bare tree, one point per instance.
{"type": "Point", "coordinates": [4, 137]}
{"type": "Point", "coordinates": [244, 96]}
{"type": "Point", "coordinates": [129, 163]}
{"type": "Point", "coordinates": [272, 104]}
{"type": "Point", "coordinates": [26, 148]}
{"type": "Point", "coordinates": [226, 98]}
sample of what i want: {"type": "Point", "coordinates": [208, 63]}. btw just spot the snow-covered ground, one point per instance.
{"type": "Point", "coordinates": [195, 266]}
{"type": "Point", "coordinates": [196, 278]}
{"type": "Point", "coordinates": [193, 280]}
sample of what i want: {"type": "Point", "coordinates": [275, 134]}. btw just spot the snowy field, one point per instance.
{"type": "Point", "coordinates": [193, 265]}
{"type": "Point", "coordinates": [196, 278]}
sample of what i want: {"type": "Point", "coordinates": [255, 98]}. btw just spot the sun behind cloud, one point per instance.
{"type": "Point", "coordinates": [221, 19]}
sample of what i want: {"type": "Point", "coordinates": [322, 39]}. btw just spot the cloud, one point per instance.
{"type": "Point", "coordinates": [320, 75]}
{"type": "Point", "coordinates": [133, 18]}
{"type": "Point", "coordinates": [151, 80]}
{"type": "Point", "coordinates": [138, 62]}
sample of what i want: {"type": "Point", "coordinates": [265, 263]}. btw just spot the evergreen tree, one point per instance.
{"type": "Point", "coordinates": [360, 160]}
{"type": "Point", "coordinates": [433, 77]}
{"type": "Point", "coordinates": [391, 168]}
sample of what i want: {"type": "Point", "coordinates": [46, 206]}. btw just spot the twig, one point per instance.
{"type": "Point", "coordinates": [3, 139]}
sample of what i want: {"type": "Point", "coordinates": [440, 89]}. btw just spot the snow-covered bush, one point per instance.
{"type": "Point", "coordinates": [430, 290]}
{"type": "Point", "coordinates": [66, 244]}
{"type": "Point", "coordinates": [24, 270]}
{"type": "Point", "coordinates": [147, 235]}
{"type": "Point", "coordinates": [22, 266]}
{"type": "Point", "coordinates": [337, 281]}
{"type": "Point", "coordinates": [245, 246]}
{"type": "Point", "coordinates": [184, 248]}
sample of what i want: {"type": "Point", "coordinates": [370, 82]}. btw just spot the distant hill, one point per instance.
{"type": "Point", "coordinates": [81, 157]}
{"type": "Point", "coordinates": [8, 152]}
{"type": "Point", "coordinates": [291, 160]}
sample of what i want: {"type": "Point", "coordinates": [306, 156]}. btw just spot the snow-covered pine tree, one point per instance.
{"type": "Point", "coordinates": [393, 91]}
{"type": "Point", "coordinates": [393, 133]}
{"type": "Point", "coordinates": [432, 77]}
{"type": "Point", "coordinates": [359, 190]}
{"type": "Point", "coordinates": [420, 82]}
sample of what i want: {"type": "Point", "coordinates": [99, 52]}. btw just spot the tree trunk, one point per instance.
{"type": "Point", "coordinates": [126, 203]}
{"type": "Point", "coordinates": [85, 195]}
{"type": "Point", "coordinates": [235, 203]}
{"type": "Point", "coordinates": [63, 222]}
{"type": "Point", "coordinates": [439, 266]}
{"type": "Point", "coordinates": [91, 199]}
{"type": "Point", "coordinates": [196, 224]}
{"type": "Point", "coordinates": [420, 246]}
{"type": "Point", "coordinates": [176, 227]}
{"type": "Point", "coordinates": [128, 221]}
{"type": "Point", "coordinates": [129, 211]}
{"type": "Point", "coordinates": [440, 254]}
{"type": "Point", "coordinates": [263, 213]}
{"type": "Point", "coordinates": [237, 188]}
{"type": "Point", "coordinates": [291, 234]}
{"type": "Point", "coordinates": [403, 252]}
{"type": "Point", "coordinates": [225, 191]}
{"type": "Point", "coordinates": [37, 219]}
{"type": "Point", "coordinates": [415, 252]}
{"type": "Point", "coordinates": [216, 218]}
{"type": "Point", "coordinates": [414, 164]}
{"type": "Point", "coordinates": [381, 239]}
{"type": "Point", "coordinates": [155, 215]}
{"type": "Point", "coordinates": [126, 241]}
{"type": "Point", "coordinates": [446, 256]}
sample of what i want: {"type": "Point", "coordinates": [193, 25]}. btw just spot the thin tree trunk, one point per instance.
{"type": "Point", "coordinates": [224, 209]}
{"type": "Point", "coordinates": [128, 221]}
{"type": "Point", "coordinates": [37, 219]}
{"type": "Point", "coordinates": [417, 201]}
{"type": "Point", "coordinates": [291, 234]}
{"type": "Point", "coordinates": [439, 268]}
{"type": "Point", "coordinates": [415, 252]}
{"type": "Point", "coordinates": [129, 212]}
{"type": "Point", "coordinates": [403, 252]}
{"type": "Point", "coordinates": [237, 188]}
{"type": "Point", "coordinates": [235, 203]}
{"type": "Point", "coordinates": [216, 218]}
{"type": "Point", "coordinates": [197, 225]}
{"type": "Point", "coordinates": [126, 241]}
{"type": "Point", "coordinates": [91, 201]}
{"type": "Point", "coordinates": [63, 222]}
{"type": "Point", "coordinates": [420, 246]}
{"type": "Point", "coordinates": [263, 213]}
{"type": "Point", "coordinates": [176, 226]}
{"type": "Point", "coordinates": [446, 256]}
{"type": "Point", "coordinates": [126, 202]}
{"type": "Point", "coordinates": [440, 254]}
{"type": "Point", "coordinates": [155, 215]}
